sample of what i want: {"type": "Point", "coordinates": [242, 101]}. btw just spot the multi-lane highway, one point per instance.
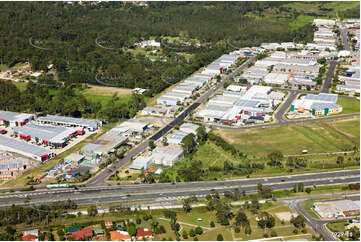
{"type": "Point", "coordinates": [123, 193]}
{"type": "Point", "coordinates": [99, 179]}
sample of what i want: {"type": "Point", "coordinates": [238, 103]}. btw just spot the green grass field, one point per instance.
{"type": "Point", "coordinates": [336, 226]}
{"type": "Point", "coordinates": [316, 137]}
{"type": "Point", "coordinates": [20, 85]}
{"type": "Point", "coordinates": [301, 21]}
{"type": "Point", "coordinates": [315, 7]}
{"type": "Point", "coordinates": [342, 6]}
{"type": "Point", "coordinates": [104, 94]}
{"type": "Point", "coordinates": [349, 105]}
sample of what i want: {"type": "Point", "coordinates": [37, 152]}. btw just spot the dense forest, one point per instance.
{"type": "Point", "coordinates": [66, 36]}
{"type": "Point", "coordinates": [65, 100]}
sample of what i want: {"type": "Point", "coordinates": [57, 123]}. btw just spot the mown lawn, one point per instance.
{"type": "Point", "coordinates": [316, 137]}
{"type": "Point", "coordinates": [349, 105]}
{"type": "Point", "coordinates": [336, 226]}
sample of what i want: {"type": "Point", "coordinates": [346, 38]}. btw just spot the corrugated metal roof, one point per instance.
{"type": "Point", "coordinates": [322, 106]}
{"type": "Point", "coordinates": [49, 133]}
{"type": "Point", "coordinates": [68, 120]}
{"type": "Point", "coordinates": [17, 145]}
{"type": "Point", "coordinates": [12, 116]}
{"type": "Point", "coordinates": [322, 97]}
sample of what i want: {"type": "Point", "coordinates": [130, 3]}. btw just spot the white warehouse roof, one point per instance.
{"type": "Point", "coordinates": [23, 148]}
{"type": "Point", "coordinates": [70, 121]}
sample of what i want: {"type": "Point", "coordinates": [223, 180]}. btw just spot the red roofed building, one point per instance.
{"type": "Point", "coordinates": [108, 224]}
{"type": "Point", "coordinates": [144, 233]}
{"type": "Point", "coordinates": [81, 234]}
{"type": "Point", "coordinates": [29, 237]}
{"type": "Point", "coordinates": [351, 213]}
{"type": "Point", "coordinates": [100, 237]}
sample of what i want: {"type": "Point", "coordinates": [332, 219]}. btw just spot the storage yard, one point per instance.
{"type": "Point", "coordinates": [39, 138]}
{"type": "Point", "coordinates": [338, 208]}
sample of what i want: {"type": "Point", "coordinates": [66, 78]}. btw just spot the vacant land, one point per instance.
{"type": "Point", "coordinates": [301, 21]}
{"type": "Point", "coordinates": [349, 105]}
{"type": "Point", "coordinates": [316, 137]}
{"type": "Point", "coordinates": [20, 85]}
{"type": "Point", "coordinates": [323, 8]}
{"type": "Point", "coordinates": [337, 226]}
{"type": "Point", "coordinates": [104, 94]}
{"type": "Point", "coordinates": [107, 91]}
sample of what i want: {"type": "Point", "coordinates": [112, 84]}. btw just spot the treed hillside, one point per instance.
{"type": "Point", "coordinates": [67, 36]}
{"type": "Point", "coordinates": [72, 30]}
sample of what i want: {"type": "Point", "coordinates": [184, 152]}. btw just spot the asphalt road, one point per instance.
{"type": "Point", "coordinates": [284, 106]}
{"type": "Point", "coordinates": [99, 180]}
{"type": "Point", "coordinates": [326, 86]}
{"type": "Point", "coordinates": [163, 195]}
{"type": "Point", "coordinates": [158, 190]}
{"type": "Point", "coordinates": [317, 225]}
{"type": "Point", "coordinates": [285, 122]}
{"type": "Point", "coordinates": [343, 35]}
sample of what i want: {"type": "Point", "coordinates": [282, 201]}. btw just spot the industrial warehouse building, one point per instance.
{"type": "Point", "coordinates": [159, 156]}
{"type": "Point", "coordinates": [295, 68]}
{"type": "Point", "coordinates": [155, 111]}
{"type": "Point", "coordinates": [48, 135]}
{"type": "Point", "coordinates": [276, 78]}
{"type": "Point", "coordinates": [11, 166]}
{"type": "Point", "coordinates": [130, 127]}
{"type": "Point", "coordinates": [25, 149]}
{"type": "Point", "coordinates": [227, 109]}
{"type": "Point", "coordinates": [189, 128]}
{"type": "Point", "coordinates": [91, 125]}
{"type": "Point", "coordinates": [15, 119]}
{"type": "Point", "coordinates": [321, 104]}
{"type": "Point", "coordinates": [324, 22]}
{"type": "Point", "coordinates": [176, 138]}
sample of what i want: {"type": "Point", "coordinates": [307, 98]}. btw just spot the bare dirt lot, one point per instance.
{"type": "Point", "coordinates": [286, 216]}
{"type": "Point", "coordinates": [108, 91]}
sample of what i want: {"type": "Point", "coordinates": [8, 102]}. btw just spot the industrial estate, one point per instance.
{"type": "Point", "coordinates": [260, 143]}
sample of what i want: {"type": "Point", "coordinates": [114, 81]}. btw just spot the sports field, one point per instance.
{"type": "Point", "coordinates": [316, 137]}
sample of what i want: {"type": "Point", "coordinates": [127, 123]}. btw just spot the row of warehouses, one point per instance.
{"type": "Point", "coordinates": [282, 68]}
{"type": "Point", "coordinates": [167, 155]}
{"type": "Point", "coordinates": [350, 81]}
{"type": "Point", "coordinates": [53, 131]}
{"type": "Point", "coordinates": [324, 37]}
{"type": "Point", "coordinates": [189, 86]}
{"type": "Point", "coordinates": [249, 105]}
{"type": "Point", "coordinates": [92, 154]}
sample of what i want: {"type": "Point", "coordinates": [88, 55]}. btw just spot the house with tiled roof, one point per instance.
{"type": "Point", "coordinates": [144, 233]}
{"type": "Point", "coordinates": [119, 236]}
{"type": "Point", "coordinates": [29, 237]}
{"type": "Point", "coordinates": [82, 234]}
{"type": "Point", "coordinates": [108, 224]}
